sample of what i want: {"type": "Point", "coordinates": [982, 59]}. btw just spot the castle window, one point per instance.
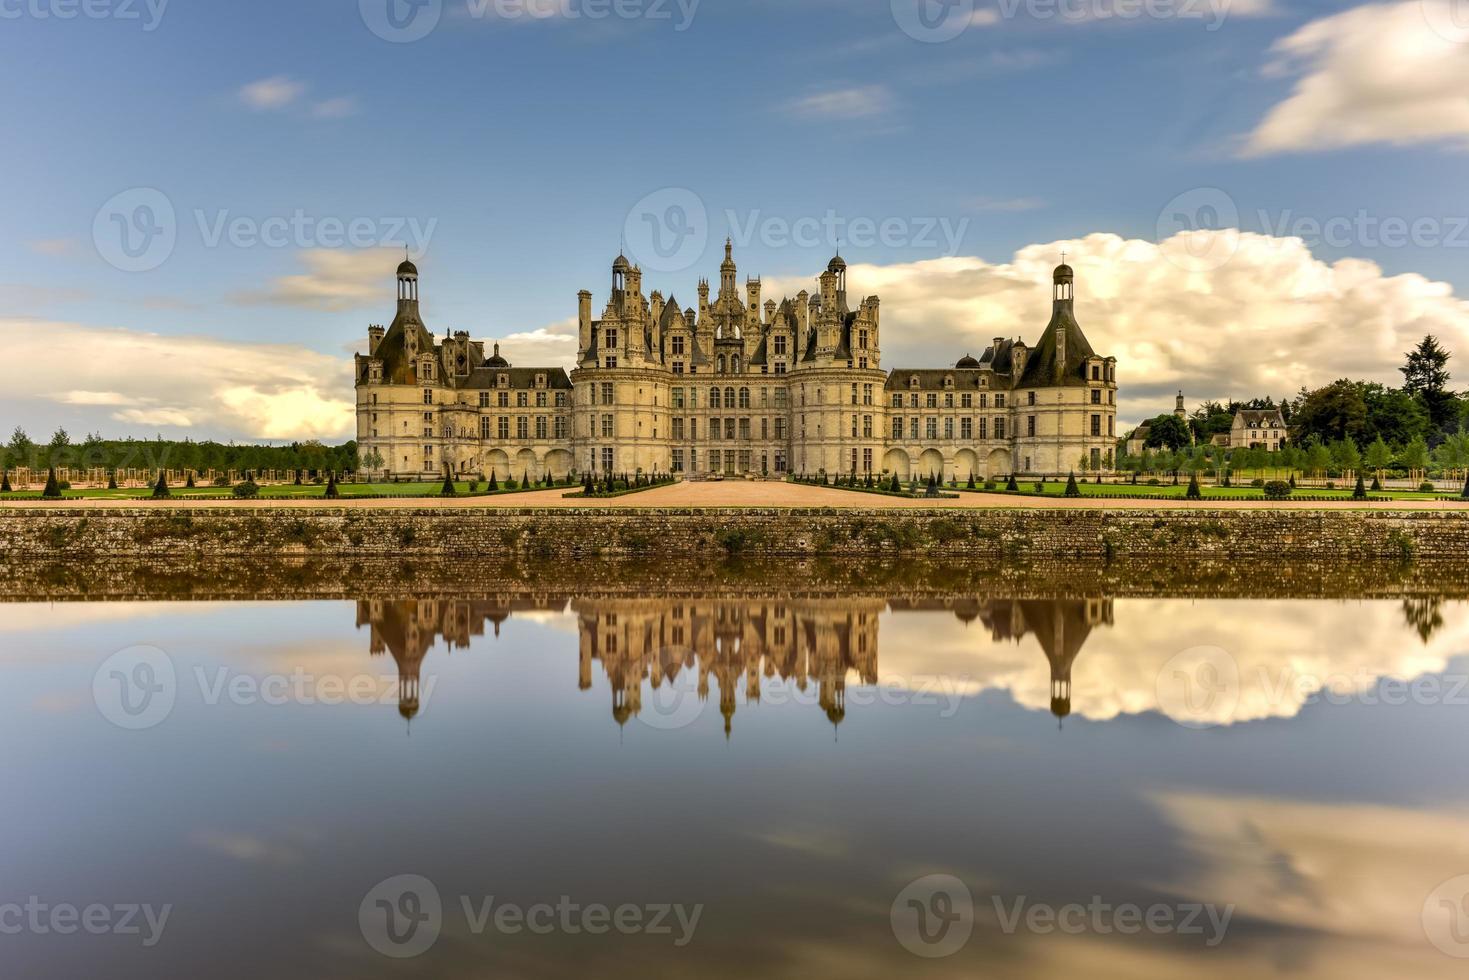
{"type": "Point", "coordinates": [897, 426]}
{"type": "Point", "coordinates": [721, 363]}
{"type": "Point", "coordinates": [484, 427]}
{"type": "Point", "coordinates": [729, 398]}
{"type": "Point", "coordinates": [854, 394]}
{"type": "Point", "coordinates": [913, 428]}
{"type": "Point", "coordinates": [780, 345]}
{"type": "Point", "coordinates": [428, 396]}
{"type": "Point", "coordinates": [522, 399]}
{"type": "Point", "coordinates": [607, 398]}
{"type": "Point", "coordinates": [948, 381]}
{"type": "Point", "coordinates": [503, 427]}
{"type": "Point", "coordinates": [984, 428]}
{"type": "Point", "coordinates": [744, 398]}
{"type": "Point", "coordinates": [1029, 398]}
{"type": "Point", "coordinates": [502, 381]}
{"type": "Point", "coordinates": [606, 427]}
{"type": "Point", "coordinates": [862, 339]}
{"type": "Point", "coordinates": [540, 381]}
{"type": "Point", "coordinates": [714, 397]}
{"type": "Point", "coordinates": [782, 397]}
{"type": "Point", "coordinates": [898, 400]}
{"type": "Point", "coordinates": [948, 428]}
{"type": "Point", "coordinates": [678, 367]}
{"type": "Point", "coordinates": [484, 399]}
{"type": "Point", "coordinates": [561, 432]}
{"type": "Point", "coordinates": [541, 399]}
{"type": "Point", "coordinates": [1096, 373]}
{"type": "Point", "coordinates": [522, 428]}
{"type": "Point", "coordinates": [677, 398]}
{"type": "Point", "coordinates": [503, 401]}
{"type": "Point", "coordinates": [931, 429]}
{"type": "Point", "coordinates": [932, 400]}
{"type": "Point", "coordinates": [1096, 396]}
{"type": "Point", "coordinates": [1030, 426]}
{"type": "Point", "coordinates": [780, 428]}
{"type": "Point", "coordinates": [542, 428]}
{"type": "Point", "coordinates": [913, 381]}
{"type": "Point", "coordinates": [867, 426]}
{"type": "Point", "coordinates": [560, 399]}
{"type": "Point", "coordinates": [966, 428]}
{"type": "Point", "coordinates": [677, 346]}
{"type": "Point", "coordinates": [949, 399]}
{"type": "Point", "coordinates": [1096, 425]}
{"type": "Point", "coordinates": [999, 399]}
{"type": "Point", "coordinates": [966, 400]}
{"type": "Point", "coordinates": [611, 339]}
{"type": "Point", "coordinates": [734, 364]}
{"type": "Point", "coordinates": [611, 363]}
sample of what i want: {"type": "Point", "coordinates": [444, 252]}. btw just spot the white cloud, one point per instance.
{"type": "Point", "coordinates": [1271, 319]}
{"type": "Point", "coordinates": [275, 92]}
{"type": "Point", "coordinates": [845, 103]}
{"type": "Point", "coordinates": [1381, 73]}
{"type": "Point", "coordinates": [335, 280]}
{"type": "Point", "coordinates": [230, 389]}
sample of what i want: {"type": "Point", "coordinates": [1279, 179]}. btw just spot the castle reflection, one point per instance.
{"type": "Point", "coordinates": [816, 646]}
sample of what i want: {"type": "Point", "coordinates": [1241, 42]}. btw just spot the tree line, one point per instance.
{"type": "Point", "coordinates": [1347, 425]}
{"type": "Point", "coordinates": [95, 452]}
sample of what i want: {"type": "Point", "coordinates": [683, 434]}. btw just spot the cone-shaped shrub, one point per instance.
{"type": "Point", "coordinates": [298, 478]}
{"type": "Point", "coordinates": [1072, 490]}
{"type": "Point", "coordinates": [112, 479]}
{"type": "Point", "coordinates": [971, 480]}
{"type": "Point", "coordinates": [332, 493]}
{"type": "Point", "coordinates": [53, 489]}
{"type": "Point", "coordinates": [5, 484]}
{"type": "Point", "coordinates": [1193, 492]}
{"type": "Point", "coordinates": [1292, 481]}
{"type": "Point", "coordinates": [189, 482]}
{"type": "Point", "coordinates": [1359, 492]}
{"type": "Point", "coordinates": [160, 489]}
{"type": "Point", "coordinates": [1465, 494]}
{"type": "Point", "coordinates": [525, 480]}
{"type": "Point", "coordinates": [494, 484]}
{"type": "Point", "coordinates": [1011, 485]}
{"type": "Point", "coordinates": [448, 490]}
{"type": "Point", "coordinates": [1376, 484]}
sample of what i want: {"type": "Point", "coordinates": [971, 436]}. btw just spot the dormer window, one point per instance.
{"type": "Point", "coordinates": [502, 381]}
{"type": "Point", "coordinates": [948, 381]}
{"type": "Point", "coordinates": [913, 381]}
{"type": "Point", "coordinates": [540, 381]}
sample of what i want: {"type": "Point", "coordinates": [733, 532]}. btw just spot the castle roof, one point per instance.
{"type": "Point", "coordinates": [1040, 368]}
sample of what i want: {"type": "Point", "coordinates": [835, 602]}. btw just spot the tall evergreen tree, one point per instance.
{"type": "Point", "coordinates": [1426, 377]}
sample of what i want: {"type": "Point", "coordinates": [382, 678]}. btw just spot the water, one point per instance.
{"type": "Point", "coordinates": [778, 782]}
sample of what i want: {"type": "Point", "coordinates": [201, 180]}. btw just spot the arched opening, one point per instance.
{"type": "Point", "coordinates": [998, 464]}
{"type": "Point", "coordinates": [897, 461]}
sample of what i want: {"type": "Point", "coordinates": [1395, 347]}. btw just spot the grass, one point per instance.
{"type": "Point", "coordinates": [281, 492]}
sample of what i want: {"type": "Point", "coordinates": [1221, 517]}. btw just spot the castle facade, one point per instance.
{"type": "Point", "coordinates": [734, 386]}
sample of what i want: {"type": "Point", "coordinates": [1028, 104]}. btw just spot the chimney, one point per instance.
{"type": "Point", "coordinates": [584, 320]}
{"type": "Point", "coordinates": [374, 337]}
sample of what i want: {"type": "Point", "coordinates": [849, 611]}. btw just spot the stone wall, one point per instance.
{"type": "Point", "coordinates": [546, 535]}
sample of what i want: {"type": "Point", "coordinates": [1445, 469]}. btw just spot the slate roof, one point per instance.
{"type": "Point", "coordinates": [1040, 367]}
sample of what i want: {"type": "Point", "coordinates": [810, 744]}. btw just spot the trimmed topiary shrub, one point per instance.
{"type": "Point", "coordinates": [53, 489]}
{"type": "Point", "coordinates": [160, 489]}
{"type": "Point", "coordinates": [494, 485]}
{"type": "Point", "coordinates": [1072, 490]}
{"type": "Point", "coordinates": [5, 484]}
{"type": "Point", "coordinates": [448, 488]}
{"type": "Point", "coordinates": [1193, 492]}
{"type": "Point", "coordinates": [1011, 485]}
{"type": "Point", "coordinates": [1257, 483]}
{"type": "Point", "coordinates": [1427, 487]}
{"type": "Point", "coordinates": [189, 480]}
{"type": "Point", "coordinates": [1277, 490]}
{"type": "Point", "coordinates": [332, 493]}
{"type": "Point", "coordinates": [247, 490]}
{"type": "Point", "coordinates": [1376, 484]}
{"type": "Point", "coordinates": [1359, 492]}
{"type": "Point", "coordinates": [112, 479]}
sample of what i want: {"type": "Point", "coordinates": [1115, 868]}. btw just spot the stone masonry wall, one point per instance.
{"type": "Point", "coordinates": [534, 534]}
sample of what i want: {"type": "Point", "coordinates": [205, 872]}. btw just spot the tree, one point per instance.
{"type": "Point", "coordinates": [52, 490]}
{"type": "Point", "coordinates": [160, 489]}
{"type": "Point", "coordinates": [1332, 413]}
{"type": "Point", "coordinates": [1426, 377]}
{"type": "Point", "coordinates": [1415, 455]}
{"type": "Point", "coordinates": [1359, 492]}
{"type": "Point", "coordinates": [332, 493]}
{"type": "Point", "coordinates": [1011, 485]}
{"type": "Point", "coordinates": [1168, 430]}
{"type": "Point", "coordinates": [1318, 458]}
{"type": "Point", "coordinates": [1072, 490]}
{"type": "Point", "coordinates": [1348, 457]}
{"type": "Point", "coordinates": [448, 488]}
{"type": "Point", "coordinates": [5, 483]}
{"type": "Point", "coordinates": [1379, 456]}
{"type": "Point", "coordinates": [1193, 492]}
{"type": "Point", "coordinates": [20, 449]}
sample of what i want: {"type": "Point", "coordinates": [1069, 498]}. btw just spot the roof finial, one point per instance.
{"type": "Point", "coordinates": [1063, 256]}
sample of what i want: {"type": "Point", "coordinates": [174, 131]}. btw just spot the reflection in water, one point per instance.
{"type": "Point", "coordinates": [810, 643]}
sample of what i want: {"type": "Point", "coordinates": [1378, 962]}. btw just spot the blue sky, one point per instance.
{"type": "Point", "coordinates": [519, 149]}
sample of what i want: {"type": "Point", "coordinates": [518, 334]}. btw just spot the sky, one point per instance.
{"type": "Point", "coordinates": [204, 202]}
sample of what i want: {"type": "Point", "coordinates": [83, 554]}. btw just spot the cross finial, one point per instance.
{"type": "Point", "coordinates": [1063, 256]}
